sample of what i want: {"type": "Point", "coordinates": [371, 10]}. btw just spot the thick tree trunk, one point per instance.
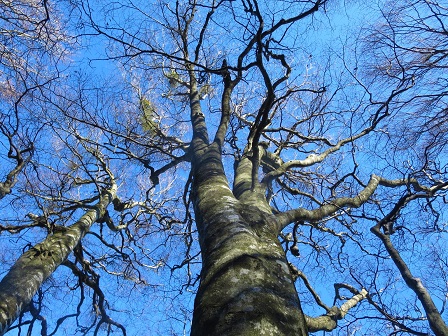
{"type": "Point", "coordinates": [29, 272]}
{"type": "Point", "coordinates": [246, 287]}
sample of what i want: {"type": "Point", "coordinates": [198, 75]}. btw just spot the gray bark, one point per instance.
{"type": "Point", "coordinates": [436, 322]}
{"type": "Point", "coordinates": [11, 178]}
{"type": "Point", "coordinates": [29, 272]}
{"type": "Point", "coordinates": [246, 286]}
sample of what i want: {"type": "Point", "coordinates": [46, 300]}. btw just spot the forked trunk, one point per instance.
{"type": "Point", "coordinates": [246, 287]}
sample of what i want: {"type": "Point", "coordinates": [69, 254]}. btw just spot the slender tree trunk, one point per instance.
{"type": "Point", "coordinates": [29, 272]}
{"type": "Point", "coordinates": [246, 287]}
{"type": "Point", "coordinates": [436, 322]}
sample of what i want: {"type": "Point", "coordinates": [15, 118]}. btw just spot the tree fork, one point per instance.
{"type": "Point", "coordinates": [246, 286]}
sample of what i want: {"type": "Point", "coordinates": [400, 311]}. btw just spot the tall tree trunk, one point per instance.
{"type": "Point", "coordinates": [29, 272]}
{"type": "Point", "coordinates": [246, 287]}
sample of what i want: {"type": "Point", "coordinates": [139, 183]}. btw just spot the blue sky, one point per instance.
{"type": "Point", "coordinates": [163, 303]}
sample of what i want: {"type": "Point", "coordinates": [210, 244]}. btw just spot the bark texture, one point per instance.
{"type": "Point", "coordinates": [29, 272]}
{"type": "Point", "coordinates": [246, 287]}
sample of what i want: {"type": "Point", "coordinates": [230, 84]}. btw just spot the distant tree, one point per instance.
{"type": "Point", "coordinates": [29, 272]}
{"type": "Point", "coordinates": [233, 138]}
{"type": "Point", "coordinates": [31, 46]}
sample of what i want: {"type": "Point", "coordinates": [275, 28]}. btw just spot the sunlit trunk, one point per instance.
{"type": "Point", "coordinates": [246, 287]}
{"type": "Point", "coordinates": [30, 271]}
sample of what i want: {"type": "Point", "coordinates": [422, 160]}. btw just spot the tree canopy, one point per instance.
{"type": "Point", "coordinates": [223, 167]}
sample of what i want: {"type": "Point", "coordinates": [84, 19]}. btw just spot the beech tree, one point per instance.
{"type": "Point", "coordinates": [28, 40]}
{"type": "Point", "coordinates": [294, 183]}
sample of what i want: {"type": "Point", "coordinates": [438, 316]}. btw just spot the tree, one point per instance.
{"type": "Point", "coordinates": [40, 261]}
{"type": "Point", "coordinates": [290, 165]}
{"type": "Point", "coordinates": [28, 41]}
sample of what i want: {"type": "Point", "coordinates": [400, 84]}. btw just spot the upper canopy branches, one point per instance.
{"type": "Point", "coordinates": [272, 97]}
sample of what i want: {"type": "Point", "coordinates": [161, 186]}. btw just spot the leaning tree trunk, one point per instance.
{"type": "Point", "coordinates": [34, 266]}
{"type": "Point", "coordinates": [246, 287]}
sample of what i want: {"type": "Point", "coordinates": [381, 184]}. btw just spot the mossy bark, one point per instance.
{"type": "Point", "coordinates": [30, 271]}
{"type": "Point", "coordinates": [246, 287]}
